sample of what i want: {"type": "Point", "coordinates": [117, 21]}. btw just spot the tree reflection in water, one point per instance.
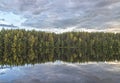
{"type": "Point", "coordinates": [30, 56]}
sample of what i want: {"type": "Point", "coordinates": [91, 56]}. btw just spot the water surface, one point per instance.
{"type": "Point", "coordinates": [61, 72]}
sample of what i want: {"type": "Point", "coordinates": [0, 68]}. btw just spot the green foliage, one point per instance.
{"type": "Point", "coordinates": [21, 46]}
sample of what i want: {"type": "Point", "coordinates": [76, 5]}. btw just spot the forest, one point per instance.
{"type": "Point", "coordinates": [20, 47]}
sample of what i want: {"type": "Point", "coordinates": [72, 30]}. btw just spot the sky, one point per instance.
{"type": "Point", "coordinates": [61, 15]}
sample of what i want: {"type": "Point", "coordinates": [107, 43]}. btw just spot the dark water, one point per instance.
{"type": "Point", "coordinates": [30, 56]}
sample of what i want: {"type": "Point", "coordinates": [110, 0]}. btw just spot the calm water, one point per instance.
{"type": "Point", "coordinates": [58, 66]}
{"type": "Point", "coordinates": [30, 56]}
{"type": "Point", "coordinates": [59, 72]}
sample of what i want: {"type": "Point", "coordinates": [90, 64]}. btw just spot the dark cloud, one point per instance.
{"type": "Point", "coordinates": [2, 19]}
{"type": "Point", "coordinates": [64, 13]}
{"type": "Point", "coordinates": [6, 25]}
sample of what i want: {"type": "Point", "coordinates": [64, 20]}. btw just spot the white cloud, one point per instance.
{"type": "Point", "coordinates": [61, 14]}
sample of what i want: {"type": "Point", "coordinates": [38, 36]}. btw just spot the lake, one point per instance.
{"type": "Point", "coordinates": [59, 66]}
{"type": "Point", "coordinates": [59, 72]}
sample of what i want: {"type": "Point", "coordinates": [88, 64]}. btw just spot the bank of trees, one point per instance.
{"type": "Point", "coordinates": [21, 39]}
{"type": "Point", "coordinates": [21, 43]}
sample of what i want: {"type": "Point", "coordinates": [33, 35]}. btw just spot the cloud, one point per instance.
{"type": "Point", "coordinates": [6, 25]}
{"type": "Point", "coordinates": [2, 19]}
{"type": "Point", "coordinates": [88, 14]}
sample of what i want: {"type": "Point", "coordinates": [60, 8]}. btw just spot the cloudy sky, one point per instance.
{"type": "Point", "coordinates": [61, 15]}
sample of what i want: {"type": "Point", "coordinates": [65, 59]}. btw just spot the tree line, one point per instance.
{"type": "Point", "coordinates": [23, 39]}
{"type": "Point", "coordinates": [16, 43]}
